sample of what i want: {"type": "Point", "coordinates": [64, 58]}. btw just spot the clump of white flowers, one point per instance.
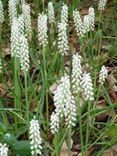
{"type": "Point", "coordinates": [27, 18]}
{"type": "Point", "coordinates": [78, 23]}
{"type": "Point", "coordinates": [86, 21]}
{"type": "Point", "coordinates": [3, 150]}
{"type": "Point", "coordinates": [87, 87]}
{"type": "Point", "coordinates": [92, 18]}
{"type": "Point", "coordinates": [103, 74]}
{"type": "Point", "coordinates": [1, 13]}
{"type": "Point", "coordinates": [54, 122]}
{"type": "Point", "coordinates": [24, 53]}
{"type": "Point", "coordinates": [42, 29]}
{"type": "Point", "coordinates": [65, 105]}
{"type": "Point", "coordinates": [12, 10]}
{"type": "Point", "coordinates": [102, 4]}
{"type": "Point", "coordinates": [62, 39]}
{"type": "Point", "coordinates": [51, 15]}
{"type": "Point", "coordinates": [21, 23]}
{"type": "Point", "coordinates": [35, 138]}
{"type": "Point", "coordinates": [76, 73]}
{"type": "Point", "coordinates": [15, 43]}
{"type": "Point", "coordinates": [64, 14]}
{"type": "Point", "coordinates": [0, 66]}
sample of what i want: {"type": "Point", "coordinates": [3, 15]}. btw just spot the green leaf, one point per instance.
{"type": "Point", "coordinates": [10, 139]}
{"type": "Point", "coordinates": [22, 148]}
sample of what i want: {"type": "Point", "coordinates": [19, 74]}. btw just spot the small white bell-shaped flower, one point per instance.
{"type": "Point", "coordinates": [78, 23]}
{"type": "Point", "coordinates": [87, 87]}
{"type": "Point", "coordinates": [51, 15]}
{"type": "Point", "coordinates": [62, 39]}
{"type": "Point", "coordinates": [102, 4]}
{"type": "Point", "coordinates": [35, 138]}
{"type": "Point", "coordinates": [103, 74]}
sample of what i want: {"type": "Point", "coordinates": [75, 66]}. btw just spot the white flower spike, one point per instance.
{"type": "Point", "coordinates": [62, 39]}
{"type": "Point", "coordinates": [42, 29]}
{"type": "Point", "coordinates": [21, 22]}
{"type": "Point", "coordinates": [51, 15]}
{"type": "Point", "coordinates": [102, 4]}
{"type": "Point", "coordinates": [27, 18]}
{"type": "Point", "coordinates": [87, 87]}
{"type": "Point", "coordinates": [65, 105]}
{"type": "Point", "coordinates": [86, 23]}
{"type": "Point", "coordinates": [24, 53]}
{"type": "Point", "coordinates": [92, 18]}
{"type": "Point", "coordinates": [78, 23]}
{"type": "Point", "coordinates": [3, 150]}
{"type": "Point", "coordinates": [76, 73]}
{"type": "Point", "coordinates": [54, 124]}
{"type": "Point", "coordinates": [35, 138]}
{"type": "Point", "coordinates": [12, 10]}
{"type": "Point", "coordinates": [103, 75]}
{"type": "Point", "coordinates": [1, 13]}
{"type": "Point", "coordinates": [64, 14]}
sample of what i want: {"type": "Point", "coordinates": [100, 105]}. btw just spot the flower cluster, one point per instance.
{"type": "Point", "coordinates": [3, 150]}
{"type": "Point", "coordinates": [103, 74]}
{"type": "Point", "coordinates": [62, 39]}
{"type": "Point", "coordinates": [24, 53]}
{"type": "Point", "coordinates": [65, 105]}
{"type": "Point", "coordinates": [12, 10]}
{"type": "Point", "coordinates": [15, 43]}
{"type": "Point", "coordinates": [42, 29]}
{"type": "Point", "coordinates": [54, 122]}
{"type": "Point", "coordinates": [86, 23]}
{"type": "Point", "coordinates": [64, 14]}
{"type": "Point", "coordinates": [21, 24]}
{"type": "Point", "coordinates": [92, 18]}
{"type": "Point", "coordinates": [35, 139]}
{"type": "Point", "coordinates": [51, 15]}
{"type": "Point", "coordinates": [1, 13]}
{"type": "Point", "coordinates": [76, 72]}
{"type": "Point", "coordinates": [102, 4]}
{"type": "Point", "coordinates": [27, 18]}
{"type": "Point", "coordinates": [87, 87]}
{"type": "Point", "coordinates": [78, 23]}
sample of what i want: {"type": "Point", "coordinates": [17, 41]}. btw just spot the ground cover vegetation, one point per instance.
{"type": "Point", "coordinates": [58, 77]}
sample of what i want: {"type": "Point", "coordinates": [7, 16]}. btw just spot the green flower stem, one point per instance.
{"type": "Point", "coordinates": [69, 141]}
{"type": "Point", "coordinates": [17, 91]}
{"type": "Point", "coordinates": [88, 127]}
{"type": "Point", "coordinates": [80, 123]}
{"type": "Point", "coordinates": [83, 49]}
{"type": "Point", "coordinates": [26, 96]}
{"type": "Point", "coordinates": [99, 40]}
{"type": "Point", "coordinates": [45, 87]}
{"type": "Point", "coordinates": [56, 143]}
{"type": "Point", "coordinates": [43, 3]}
{"type": "Point", "coordinates": [91, 54]}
